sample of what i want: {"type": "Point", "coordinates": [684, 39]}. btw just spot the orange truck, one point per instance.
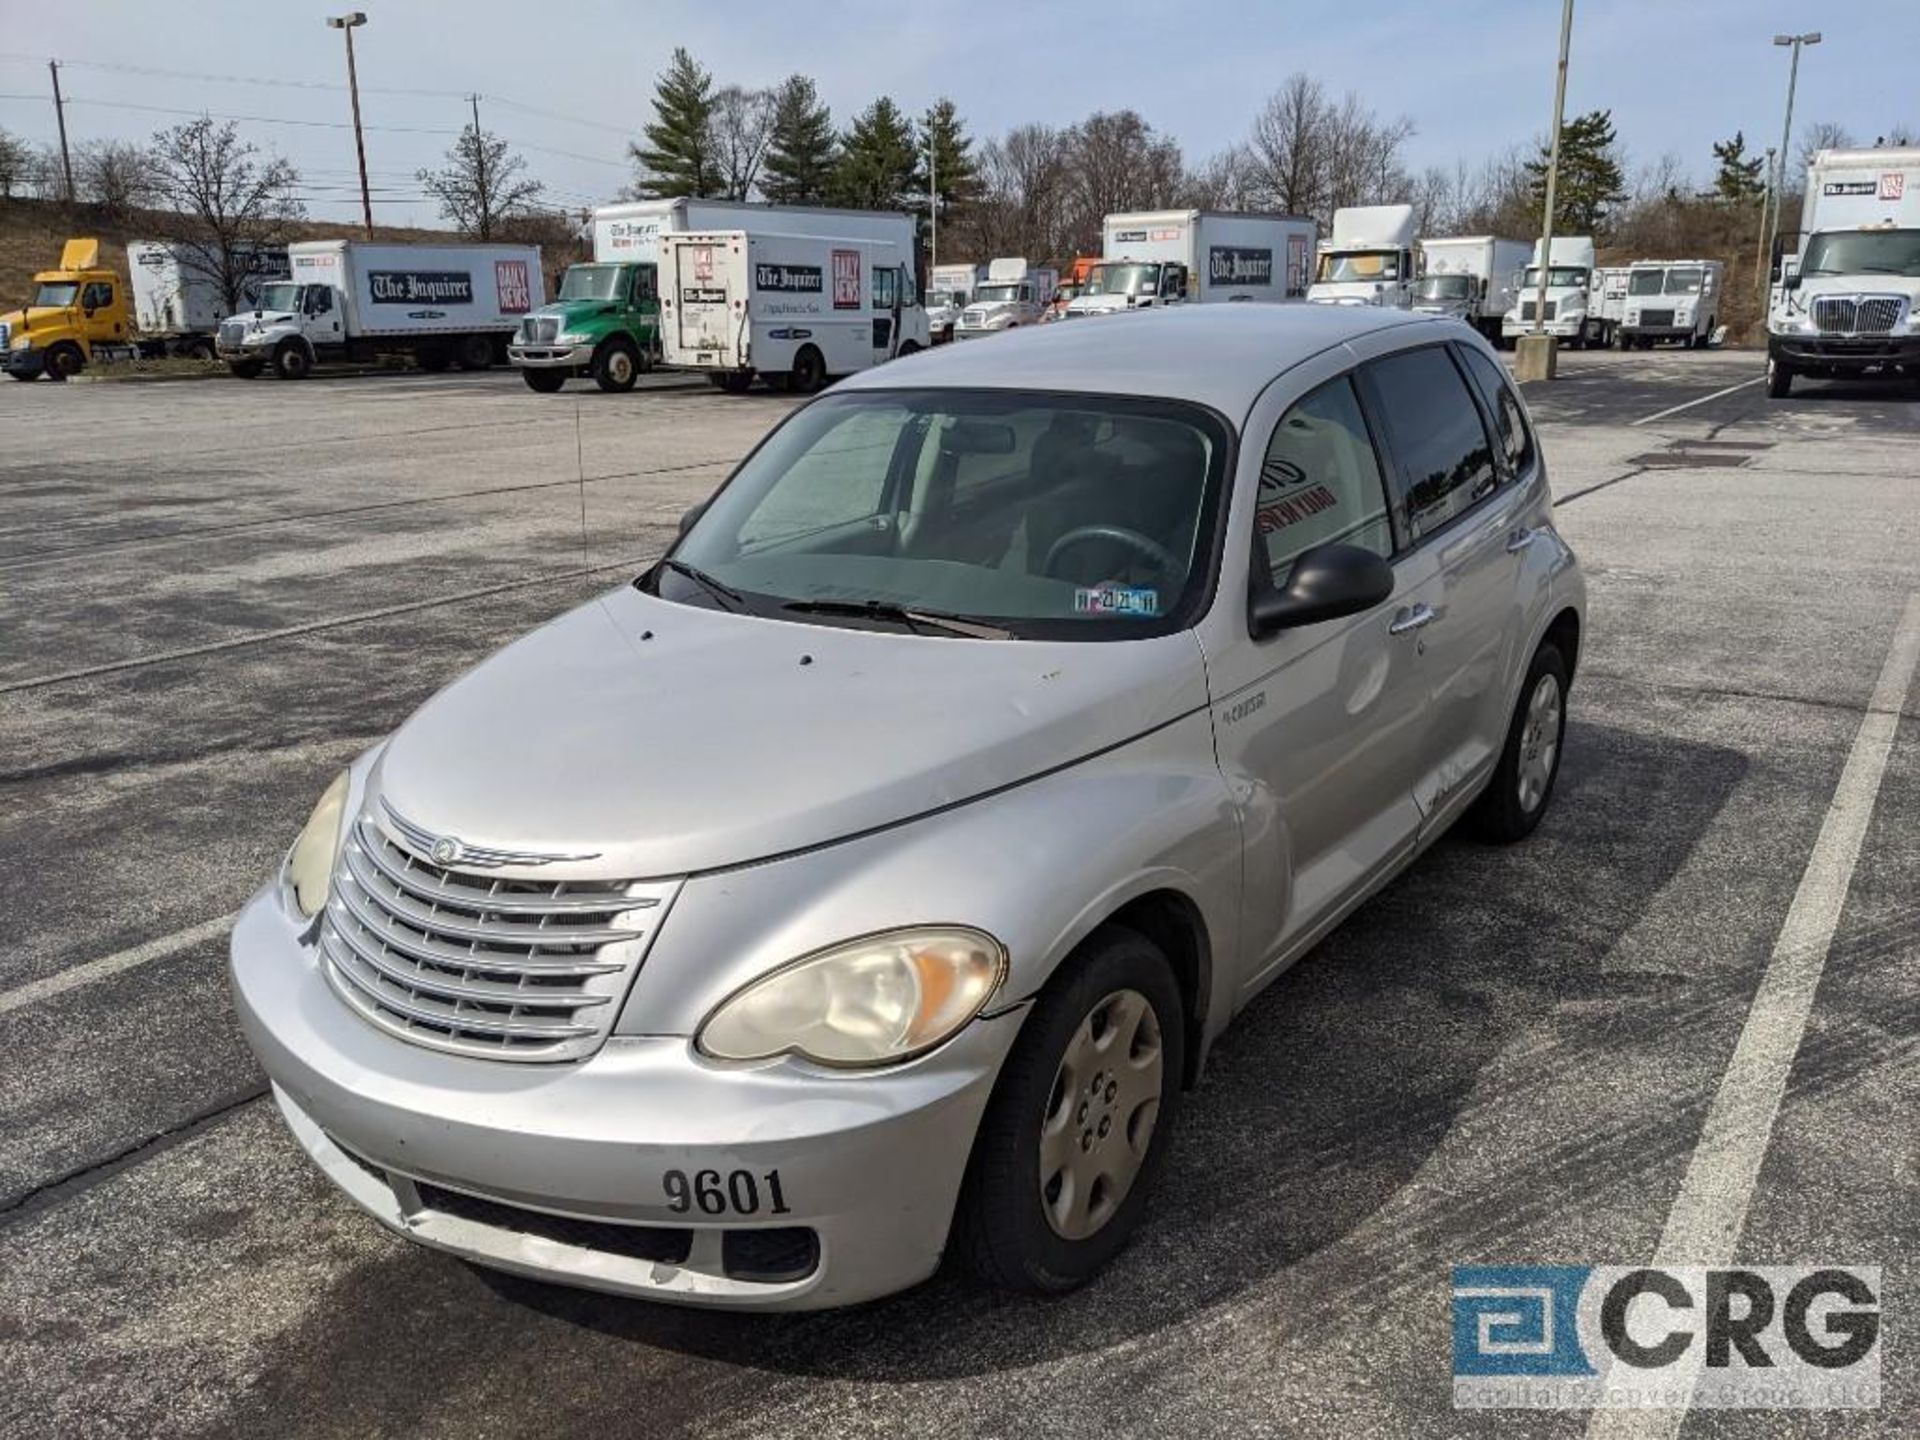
{"type": "Point", "coordinates": [1073, 280]}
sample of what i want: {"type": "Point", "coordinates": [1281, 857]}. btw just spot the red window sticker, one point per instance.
{"type": "Point", "coordinates": [846, 279]}
{"type": "Point", "coordinates": [703, 262]}
{"type": "Point", "coordinates": [511, 284]}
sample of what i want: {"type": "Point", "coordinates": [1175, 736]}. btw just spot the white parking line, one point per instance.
{"type": "Point", "coordinates": [1704, 1226]}
{"type": "Point", "coordinates": [1688, 405]}
{"type": "Point", "coordinates": [76, 976]}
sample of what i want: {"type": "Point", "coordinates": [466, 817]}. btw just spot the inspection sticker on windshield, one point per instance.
{"type": "Point", "coordinates": [1117, 600]}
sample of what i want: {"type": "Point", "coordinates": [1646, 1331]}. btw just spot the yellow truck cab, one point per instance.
{"type": "Point", "coordinates": [78, 313]}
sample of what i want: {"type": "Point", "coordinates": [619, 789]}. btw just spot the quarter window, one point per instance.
{"type": "Point", "coordinates": [1439, 444]}
{"type": "Point", "coordinates": [1320, 482]}
{"type": "Point", "coordinates": [1508, 420]}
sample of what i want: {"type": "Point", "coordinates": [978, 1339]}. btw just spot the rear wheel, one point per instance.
{"type": "Point", "coordinates": [1522, 783]}
{"type": "Point", "coordinates": [737, 382]}
{"type": "Point", "coordinates": [200, 350]}
{"type": "Point", "coordinates": [1079, 1122]}
{"type": "Point", "coordinates": [474, 352]}
{"type": "Point", "coordinates": [1779, 378]}
{"type": "Point", "coordinates": [292, 361]}
{"type": "Point", "coordinates": [546, 382]}
{"type": "Point", "coordinates": [65, 360]}
{"type": "Point", "coordinates": [616, 367]}
{"type": "Point", "coordinates": [809, 371]}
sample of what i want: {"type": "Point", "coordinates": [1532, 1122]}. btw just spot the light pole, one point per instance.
{"type": "Point", "coordinates": [1760, 255]}
{"type": "Point", "coordinates": [933, 200]}
{"type": "Point", "coordinates": [347, 23]}
{"type": "Point", "coordinates": [1812, 37]}
{"type": "Point", "coordinates": [1535, 360]}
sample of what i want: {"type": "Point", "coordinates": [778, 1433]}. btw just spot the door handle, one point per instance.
{"type": "Point", "coordinates": [1518, 541]}
{"type": "Point", "coordinates": [1412, 619]}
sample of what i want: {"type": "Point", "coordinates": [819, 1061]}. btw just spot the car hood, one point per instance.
{"type": "Point", "coordinates": [1863, 284]}
{"type": "Point", "coordinates": [666, 739]}
{"type": "Point", "coordinates": [1097, 304]}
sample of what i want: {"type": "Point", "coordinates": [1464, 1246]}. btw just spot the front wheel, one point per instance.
{"type": "Point", "coordinates": [1779, 378]}
{"type": "Point", "coordinates": [292, 361]}
{"type": "Point", "coordinates": [65, 361]}
{"type": "Point", "coordinates": [474, 352]}
{"type": "Point", "coordinates": [616, 367]}
{"type": "Point", "coordinates": [809, 371]}
{"type": "Point", "coordinates": [545, 382]}
{"type": "Point", "coordinates": [1516, 797]}
{"type": "Point", "coordinates": [1079, 1122]}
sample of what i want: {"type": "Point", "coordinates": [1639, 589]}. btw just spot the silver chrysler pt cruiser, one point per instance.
{"type": "Point", "coordinates": [868, 879]}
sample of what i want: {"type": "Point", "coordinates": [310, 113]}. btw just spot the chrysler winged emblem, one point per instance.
{"type": "Point", "coordinates": [451, 850]}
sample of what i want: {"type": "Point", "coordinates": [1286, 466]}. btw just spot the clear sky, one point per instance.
{"type": "Point", "coordinates": [1473, 75]}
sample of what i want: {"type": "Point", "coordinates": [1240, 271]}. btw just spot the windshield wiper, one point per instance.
{"type": "Point", "coordinates": [901, 615]}
{"type": "Point", "coordinates": [725, 594]}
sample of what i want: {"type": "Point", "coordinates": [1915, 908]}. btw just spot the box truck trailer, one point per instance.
{"type": "Point", "coordinates": [1013, 294]}
{"type": "Point", "coordinates": [1474, 278]}
{"type": "Point", "coordinates": [177, 305]}
{"type": "Point", "coordinates": [1848, 306]}
{"type": "Point", "coordinates": [1672, 300]}
{"type": "Point", "coordinates": [794, 309]}
{"type": "Point", "coordinates": [1166, 257]}
{"type": "Point", "coordinates": [1570, 313]}
{"type": "Point", "coordinates": [354, 300]}
{"type": "Point", "coordinates": [1370, 259]}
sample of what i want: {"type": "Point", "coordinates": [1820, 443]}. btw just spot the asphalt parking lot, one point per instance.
{"type": "Point", "coordinates": [214, 594]}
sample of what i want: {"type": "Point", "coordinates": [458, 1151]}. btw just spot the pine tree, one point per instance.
{"type": "Point", "coordinates": [799, 165]}
{"type": "Point", "coordinates": [878, 160]}
{"type": "Point", "coordinates": [679, 155]}
{"type": "Point", "coordinates": [954, 171]}
{"type": "Point", "coordinates": [1590, 183]}
{"type": "Point", "coordinates": [1737, 177]}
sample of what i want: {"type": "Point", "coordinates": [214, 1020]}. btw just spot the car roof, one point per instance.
{"type": "Point", "coordinates": [1222, 355]}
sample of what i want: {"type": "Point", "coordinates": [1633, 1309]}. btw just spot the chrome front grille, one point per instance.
{"type": "Point", "coordinates": [1527, 308]}
{"type": "Point", "coordinates": [1856, 314]}
{"type": "Point", "coordinates": [1656, 318]}
{"type": "Point", "coordinates": [460, 960]}
{"type": "Point", "coordinates": [232, 332]}
{"type": "Point", "coordinates": [539, 330]}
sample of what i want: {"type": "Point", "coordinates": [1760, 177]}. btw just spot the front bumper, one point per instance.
{"type": "Point", "coordinates": [1834, 352]}
{"type": "Point", "coordinates": [961, 332]}
{"type": "Point", "coordinates": [1657, 332]}
{"type": "Point", "coordinates": [871, 1165]}
{"type": "Point", "coordinates": [25, 360]}
{"type": "Point", "coordinates": [550, 357]}
{"type": "Point", "coordinates": [1565, 329]}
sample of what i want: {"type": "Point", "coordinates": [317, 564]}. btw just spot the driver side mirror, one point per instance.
{"type": "Point", "coordinates": [1792, 282]}
{"type": "Point", "coordinates": [1328, 582]}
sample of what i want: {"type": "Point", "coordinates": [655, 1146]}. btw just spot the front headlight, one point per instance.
{"type": "Point", "coordinates": [869, 1002]}
{"type": "Point", "coordinates": [309, 869]}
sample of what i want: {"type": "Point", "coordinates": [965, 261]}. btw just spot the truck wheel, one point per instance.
{"type": "Point", "coordinates": [616, 367]}
{"type": "Point", "coordinates": [33, 374]}
{"type": "Point", "coordinates": [474, 352]}
{"type": "Point", "coordinates": [65, 359]}
{"type": "Point", "coordinates": [1079, 1122]}
{"type": "Point", "coordinates": [1701, 341]}
{"type": "Point", "coordinates": [907, 347]}
{"type": "Point", "coordinates": [545, 382]}
{"type": "Point", "coordinates": [200, 350]}
{"type": "Point", "coordinates": [809, 371]}
{"type": "Point", "coordinates": [245, 369]}
{"type": "Point", "coordinates": [291, 361]}
{"type": "Point", "coordinates": [1779, 378]}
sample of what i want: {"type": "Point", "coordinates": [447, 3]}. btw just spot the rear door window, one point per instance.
{"type": "Point", "coordinates": [1509, 421]}
{"type": "Point", "coordinates": [1442, 455]}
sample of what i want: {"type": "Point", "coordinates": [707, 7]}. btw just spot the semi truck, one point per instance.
{"type": "Point", "coordinates": [1570, 313]}
{"type": "Point", "coordinates": [1013, 294]}
{"type": "Point", "coordinates": [1370, 259]}
{"type": "Point", "coordinates": [793, 309]}
{"type": "Point", "coordinates": [354, 300]}
{"type": "Point", "coordinates": [1167, 257]}
{"type": "Point", "coordinates": [604, 323]}
{"type": "Point", "coordinates": [949, 289]}
{"type": "Point", "coordinates": [1672, 300]}
{"type": "Point", "coordinates": [1473, 278]}
{"type": "Point", "coordinates": [83, 311]}
{"type": "Point", "coordinates": [1848, 307]}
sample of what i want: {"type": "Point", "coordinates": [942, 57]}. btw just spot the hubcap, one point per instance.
{"type": "Point", "coordinates": [1100, 1114]}
{"type": "Point", "coordinates": [1539, 742]}
{"type": "Point", "coordinates": [620, 367]}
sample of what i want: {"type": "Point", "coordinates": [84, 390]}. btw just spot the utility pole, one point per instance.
{"type": "Point", "coordinates": [347, 23]}
{"type": "Point", "coordinates": [1812, 37]}
{"type": "Point", "coordinates": [60, 114]}
{"type": "Point", "coordinates": [933, 199]}
{"type": "Point", "coordinates": [481, 193]}
{"type": "Point", "coordinates": [1535, 360]}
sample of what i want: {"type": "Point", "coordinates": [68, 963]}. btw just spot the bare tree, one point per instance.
{"type": "Point", "coordinates": [1311, 155]}
{"type": "Point", "coordinates": [482, 186]}
{"type": "Point", "coordinates": [16, 164]}
{"type": "Point", "coordinates": [1117, 163]}
{"type": "Point", "coordinates": [1226, 181]}
{"type": "Point", "coordinates": [1021, 204]}
{"type": "Point", "coordinates": [742, 123]}
{"type": "Point", "coordinates": [1435, 198]}
{"type": "Point", "coordinates": [221, 200]}
{"type": "Point", "coordinates": [1821, 135]}
{"type": "Point", "coordinates": [116, 178]}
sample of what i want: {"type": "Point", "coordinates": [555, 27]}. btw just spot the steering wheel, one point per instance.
{"type": "Point", "coordinates": [1145, 545]}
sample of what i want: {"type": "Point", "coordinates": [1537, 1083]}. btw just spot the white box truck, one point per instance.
{"type": "Point", "coordinates": [1849, 307]}
{"type": "Point", "coordinates": [1013, 294]}
{"type": "Point", "coordinates": [1164, 257]}
{"type": "Point", "coordinates": [1474, 278]}
{"type": "Point", "coordinates": [354, 300]}
{"type": "Point", "coordinates": [949, 288]}
{"type": "Point", "coordinates": [1607, 297]}
{"type": "Point", "coordinates": [177, 306]}
{"type": "Point", "coordinates": [1370, 259]}
{"type": "Point", "coordinates": [1570, 312]}
{"type": "Point", "coordinates": [1672, 300]}
{"type": "Point", "coordinates": [794, 309]}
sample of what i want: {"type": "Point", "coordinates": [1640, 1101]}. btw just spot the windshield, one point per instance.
{"type": "Point", "coordinates": [988, 294]}
{"type": "Point", "coordinates": [56, 293]}
{"type": "Point", "coordinates": [1051, 516]}
{"type": "Point", "coordinates": [282, 296]}
{"type": "Point", "coordinates": [1559, 277]}
{"type": "Point", "coordinates": [1644, 282]}
{"type": "Point", "coordinates": [592, 282]}
{"type": "Point", "coordinates": [1342, 265]}
{"type": "Point", "coordinates": [1863, 252]}
{"type": "Point", "coordinates": [1685, 282]}
{"type": "Point", "coordinates": [951, 299]}
{"type": "Point", "coordinates": [1445, 287]}
{"type": "Point", "coordinates": [1124, 278]}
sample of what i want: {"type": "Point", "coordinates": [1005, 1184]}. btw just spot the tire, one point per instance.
{"type": "Point", "coordinates": [292, 361]}
{"type": "Point", "coordinates": [907, 347]}
{"type": "Point", "coordinates": [434, 358]}
{"type": "Point", "coordinates": [616, 366]}
{"type": "Point", "coordinates": [245, 369]}
{"type": "Point", "coordinates": [1019, 1229]}
{"type": "Point", "coordinates": [1522, 785]}
{"type": "Point", "coordinates": [809, 371]}
{"type": "Point", "coordinates": [64, 361]}
{"type": "Point", "coordinates": [200, 350]}
{"type": "Point", "coordinates": [474, 352]}
{"type": "Point", "coordinates": [1779, 378]}
{"type": "Point", "coordinates": [24, 374]}
{"type": "Point", "coordinates": [546, 382]}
